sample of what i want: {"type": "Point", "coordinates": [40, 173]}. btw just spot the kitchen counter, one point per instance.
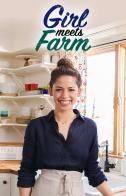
{"type": "Point", "coordinates": [13, 166]}
{"type": "Point", "coordinates": [116, 181]}
{"type": "Point", "coordinates": [9, 166]}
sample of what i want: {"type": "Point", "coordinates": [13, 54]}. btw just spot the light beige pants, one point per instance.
{"type": "Point", "coordinates": [58, 183]}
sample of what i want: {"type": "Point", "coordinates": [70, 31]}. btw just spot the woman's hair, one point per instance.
{"type": "Point", "coordinates": [65, 67]}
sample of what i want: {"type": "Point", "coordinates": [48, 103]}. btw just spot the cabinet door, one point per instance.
{"type": "Point", "coordinates": [4, 184]}
{"type": "Point", "coordinates": [14, 188]}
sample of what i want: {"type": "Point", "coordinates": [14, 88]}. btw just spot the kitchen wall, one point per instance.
{"type": "Point", "coordinates": [21, 22]}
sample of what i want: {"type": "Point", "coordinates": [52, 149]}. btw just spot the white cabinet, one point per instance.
{"type": "Point", "coordinates": [14, 191]}
{"type": "Point", "coordinates": [8, 185]}
{"type": "Point", "coordinates": [5, 184]}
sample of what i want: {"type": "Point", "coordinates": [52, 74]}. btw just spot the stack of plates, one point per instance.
{"type": "Point", "coordinates": [34, 92]}
{"type": "Point", "coordinates": [23, 119]}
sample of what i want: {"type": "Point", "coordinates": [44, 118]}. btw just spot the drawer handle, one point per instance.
{"type": "Point", "coordinates": [4, 182]}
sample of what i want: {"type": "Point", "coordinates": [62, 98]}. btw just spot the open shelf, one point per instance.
{"type": "Point", "coordinates": [11, 144]}
{"type": "Point", "coordinates": [12, 124]}
{"type": "Point", "coordinates": [45, 97]}
{"type": "Point", "coordinates": [40, 96]}
{"type": "Point", "coordinates": [21, 71]}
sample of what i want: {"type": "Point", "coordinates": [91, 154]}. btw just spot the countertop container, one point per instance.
{"type": "Point", "coordinates": [123, 166]}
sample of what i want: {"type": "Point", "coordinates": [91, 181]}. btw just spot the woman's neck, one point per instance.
{"type": "Point", "coordinates": [64, 115]}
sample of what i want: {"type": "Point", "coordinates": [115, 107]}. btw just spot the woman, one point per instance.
{"type": "Point", "coordinates": [62, 144]}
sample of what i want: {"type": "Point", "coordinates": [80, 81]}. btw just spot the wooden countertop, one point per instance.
{"type": "Point", "coordinates": [9, 166]}
{"type": "Point", "coordinates": [13, 166]}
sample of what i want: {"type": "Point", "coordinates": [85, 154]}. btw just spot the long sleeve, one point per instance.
{"type": "Point", "coordinates": [27, 172]}
{"type": "Point", "coordinates": [93, 170]}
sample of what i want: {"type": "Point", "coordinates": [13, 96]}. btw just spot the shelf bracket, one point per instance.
{"type": "Point", "coordinates": [17, 81]}
{"type": "Point", "coordinates": [17, 130]}
{"type": "Point", "coordinates": [49, 102]}
{"type": "Point", "coordinates": [48, 70]}
{"type": "Point", "coordinates": [14, 102]}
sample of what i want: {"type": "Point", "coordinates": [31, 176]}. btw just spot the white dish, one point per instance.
{"type": "Point", "coordinates": [23, 56]}
{"type": "Point", "coordinates": [4, 64]}
{"type": "Point", "coordinates": [32, 92]}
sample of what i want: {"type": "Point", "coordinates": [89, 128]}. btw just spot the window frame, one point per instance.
{"type": "Point", "coordinates": [119, 139]}
{"type": "Point", "coordinates": [119, 101]}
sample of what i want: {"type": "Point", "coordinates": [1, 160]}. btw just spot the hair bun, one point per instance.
{"type": "Point", "coordinates": [65, 62]}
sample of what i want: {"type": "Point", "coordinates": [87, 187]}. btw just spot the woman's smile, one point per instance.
{"type": "Point", "coordinates": [65, 102]}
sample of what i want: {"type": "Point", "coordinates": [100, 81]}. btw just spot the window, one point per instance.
{"type": "Point", "coordinates": [106, 96]}
{"type": "Point", "coordinates": [100, 94]}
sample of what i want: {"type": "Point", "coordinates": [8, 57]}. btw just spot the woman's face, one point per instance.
{"type": "Point", "coordinates": [65, 92]}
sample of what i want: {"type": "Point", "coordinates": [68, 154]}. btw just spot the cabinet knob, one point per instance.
{"type": "Point", "coordinates": [4, 182]}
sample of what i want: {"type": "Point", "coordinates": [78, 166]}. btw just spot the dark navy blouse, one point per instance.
{"type": "Point", "coordinates": [46, 148]}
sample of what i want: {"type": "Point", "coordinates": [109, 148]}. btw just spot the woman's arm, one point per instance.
{"type": "Point", "coordinates": [24, 191]}
{"type": "Point", "coordinates": [93, 171]}
{"type": "Point", "coordinates": [105, 189]}
{"type": "Point", "coordinates": [27, 171]}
